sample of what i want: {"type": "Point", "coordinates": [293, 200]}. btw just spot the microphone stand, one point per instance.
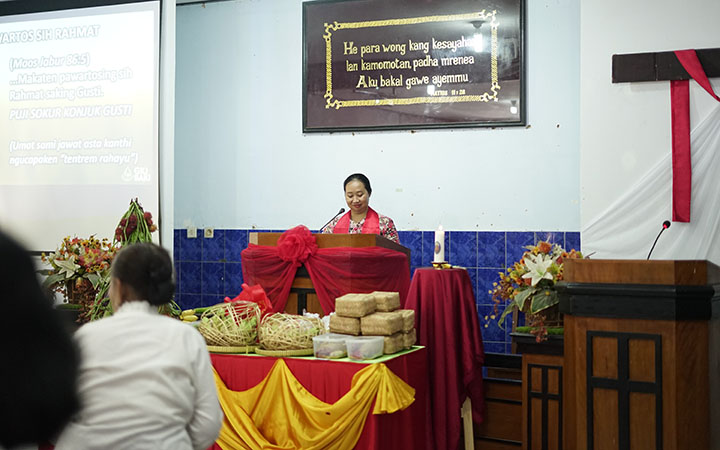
{"type": "Point", "coordinates": [666, 225]}
{"type": "Point", "coordinates": [342, 210]}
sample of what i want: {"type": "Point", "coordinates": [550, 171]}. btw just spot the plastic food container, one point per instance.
{"type": "Point", "coordinates": [330, 346]}
{"type": "Point", "coordinates": [365, 347]}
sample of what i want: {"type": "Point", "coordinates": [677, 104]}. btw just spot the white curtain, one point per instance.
{"type": "Point", "coordinates": [627, 229]}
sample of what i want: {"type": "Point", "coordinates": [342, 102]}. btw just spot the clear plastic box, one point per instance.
{"type": "Point", "coordinates": [330, 346]}
{"type": "Point", "coordinates": [365, 347]}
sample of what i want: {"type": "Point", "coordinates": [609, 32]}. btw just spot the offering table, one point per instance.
{"type": "Point", "coordinates": [329, 380]}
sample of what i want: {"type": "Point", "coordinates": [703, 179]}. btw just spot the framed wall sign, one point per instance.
{"type": "Point", "coordinates": [408, 64]}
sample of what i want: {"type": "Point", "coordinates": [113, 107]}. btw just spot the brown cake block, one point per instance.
{"type": "Point", "coordinates": [393, 344]}
{"type": "Point", "coordinates": [355, 305]}
{"type": "Point", "coordinates": [381, 324]}
{"type": "Point", "coordinates": [386, 301]}
{"type": "Point", "coordinates": [409, 338]}
{"type": "Point", "coordinates": [344, 325]}
{"type": "Point", "coordinates": [408, 316]}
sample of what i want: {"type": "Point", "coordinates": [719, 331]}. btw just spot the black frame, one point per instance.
{"type": "Point", "coordinates": [479, 102]}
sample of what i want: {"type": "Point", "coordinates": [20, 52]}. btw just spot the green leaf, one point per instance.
{"type": "Point", "coordinates": [53, 279]}
{"type": "Point", "coordinates": [521, 296]}
{"type": "Point", "coordinates": [543, 300]}
{"type": "Point", "coordinates": [95, 279]}
{"type": "Point", "coordinates": [510, 306]}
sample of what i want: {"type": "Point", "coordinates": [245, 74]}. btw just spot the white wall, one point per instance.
{"type": "Point", "coordinates": [242, 160]}
{"type": "Point", "coordinates": [167, 124]}
{"type": "Point", "coordinates": [625, 127]}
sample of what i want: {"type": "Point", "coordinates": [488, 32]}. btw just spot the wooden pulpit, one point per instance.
{"type": "Point", "coordinates": [642, 354]}
{"type": "Point", "coordinates": [302, 293]}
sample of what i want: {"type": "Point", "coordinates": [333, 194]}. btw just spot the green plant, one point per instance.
{"type": "Point", "coordinates": [529, 286]}
{"type": "Point", "coordinates": [78, 268]}
{"type": "Point", "coordinates": [136, 225]}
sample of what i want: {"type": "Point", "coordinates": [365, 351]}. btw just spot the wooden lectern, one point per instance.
{"type": "Point", "coordinates": [302, 293]}
{"type": "Point", "coordinates": [642, 354]}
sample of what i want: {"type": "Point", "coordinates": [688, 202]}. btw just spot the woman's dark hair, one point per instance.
{"type": "Point", "coordinates": [148, 270]}
{"type": "Point", "coordinates": [361, 178]}
{"type": "Point", "coordinates": [40, 361]}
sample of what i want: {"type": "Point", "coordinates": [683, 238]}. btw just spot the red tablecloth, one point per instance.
{"type": "Point", "coordinates": [330, 380]}
{"type": "Point", "coordinates": [448, 326]}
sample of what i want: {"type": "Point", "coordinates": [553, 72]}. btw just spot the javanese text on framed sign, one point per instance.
{"type": "Point", "coordinates": [407, 64]}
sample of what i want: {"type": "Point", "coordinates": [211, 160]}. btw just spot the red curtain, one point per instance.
{"type": "Point", "coordinates": [333, 271]}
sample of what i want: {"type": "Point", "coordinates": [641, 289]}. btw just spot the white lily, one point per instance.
{"type": "Point", "coordinates": [538, 265]}
{"type": "Point", "coordinates": [67, 266]}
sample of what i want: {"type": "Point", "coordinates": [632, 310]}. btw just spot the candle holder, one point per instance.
{"type": "Point", "coordinates": [441, 265]}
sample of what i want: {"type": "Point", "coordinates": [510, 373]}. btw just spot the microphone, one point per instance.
{"type": "Point", "coordinates": [665, 226]}
{"type": "Point", "coordinates": [342, 210]}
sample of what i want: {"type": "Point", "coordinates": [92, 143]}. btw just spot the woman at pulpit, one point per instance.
{"type": "Point", "coordinates": [361, 218]}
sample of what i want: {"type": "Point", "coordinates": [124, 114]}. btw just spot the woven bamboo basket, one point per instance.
{"type": "Point", "coordinates": [231, 324]}
{"type": "Point", "coordinates": [288, 332]}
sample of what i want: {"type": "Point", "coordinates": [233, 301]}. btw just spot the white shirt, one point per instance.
{"type": "Point", "coordinates": [145, 383]}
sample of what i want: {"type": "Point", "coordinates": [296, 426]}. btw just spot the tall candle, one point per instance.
{"type": "Point", "coordinates": [439, 245]}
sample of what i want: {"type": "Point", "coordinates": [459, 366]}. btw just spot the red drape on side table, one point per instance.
{"type": "Point", "coordinates": [329, 380]}
{"type": "Point", "coordinates": [333, 271]}
{"type": "Point", "coordinates": [447, 324]}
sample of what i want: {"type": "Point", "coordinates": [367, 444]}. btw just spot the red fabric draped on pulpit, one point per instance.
{"type": "Point", "coordinates": [333, 271]}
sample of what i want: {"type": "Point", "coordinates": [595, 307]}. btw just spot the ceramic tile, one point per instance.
{"type": "Point", "coordinates": [463, 248]}
{"type": "Point", "coordinates": [210, 299]}
{"type": "Point", "coordinates": [235, 242]}
{"type": "Point", "coordinates": [188, 301]}
{"type": "Point", "coordinates": [472, 273]}
{"type": "Point", "coordinates": [494, 347]}
{"type": "Point", "coordinates": [177, 247]}
{"type": "Point", "coordinates": [213, 249]}
{"type": "Point", "coordinates": [491, 332]}
{"type": "Point", "coordinates": [190, 249]}
{"type": "Point", "coordinates": [515, 242]}
{"type": "Point", "coordinates": [191, 276]}
{"type": "Point", "coordinates": [413, 241]}
{"type": "Point", "coordinates": [484, 314]}
{"type": "Point", "coordinates": [213, 274]}
{"type": "Point", "coordinates": [178, 288]}
{"type": "Point", "coordinates": [233, 279]}
{"type": "Point", "coordinates": [572, 240]}
{"type": "Point", "coordinates": [491, 249]}
{"type": "Point", "coordinates": [485, 280]}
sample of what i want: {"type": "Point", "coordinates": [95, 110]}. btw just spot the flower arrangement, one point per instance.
{"type": "Point", "coordinates": [136, 225]}
{"type": "Point", "coordinates": [529, 286]}
{"type": "Point", "coordinates": [77, 269]}
{"type": "Point", "coordinates": [80, 268]}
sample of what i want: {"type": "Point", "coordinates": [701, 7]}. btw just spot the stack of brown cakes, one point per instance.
{"type": "Point", "coordinates": [375, 314]}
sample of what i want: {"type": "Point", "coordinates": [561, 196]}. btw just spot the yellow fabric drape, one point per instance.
{"type": "Point", "coordinates": [280, 414]}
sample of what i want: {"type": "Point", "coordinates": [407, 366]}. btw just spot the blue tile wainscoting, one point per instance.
{"type": "Point", "coordinates": [209, 269]}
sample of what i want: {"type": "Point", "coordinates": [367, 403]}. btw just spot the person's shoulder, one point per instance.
{"type": "Point", "coordinates": [385, 219]}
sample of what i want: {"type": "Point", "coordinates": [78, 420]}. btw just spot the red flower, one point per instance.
{"type": "Point", "coordinates": [296, 245]}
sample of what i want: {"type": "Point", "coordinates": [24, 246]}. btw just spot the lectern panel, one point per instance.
{"type": "Point", "coordinates": [641, 360]}
{"type": "Point", "coordinates": [642, 416]}
{"type": "Point", "coordinates": [610, 413]}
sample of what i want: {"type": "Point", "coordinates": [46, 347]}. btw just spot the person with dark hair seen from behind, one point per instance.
{"type": "Point", "coordinates": [145, 379]}
{"type": "Point", "coordinates": [361, 218]}
{"type": "Point", "coordinates": [39, 361]}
